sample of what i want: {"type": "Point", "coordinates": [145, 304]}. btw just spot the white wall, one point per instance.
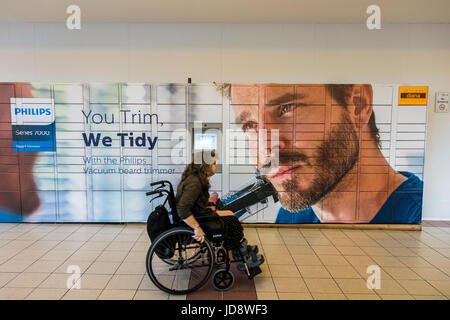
{"type": "Point", "coordinates": [158, 53]}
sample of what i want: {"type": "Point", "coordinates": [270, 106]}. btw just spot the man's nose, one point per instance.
{"type": "Point", "coordinates": [280, 141]}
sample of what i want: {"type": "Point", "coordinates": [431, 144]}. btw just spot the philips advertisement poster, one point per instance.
{"type": "Point", "coordinates": [287, 153]}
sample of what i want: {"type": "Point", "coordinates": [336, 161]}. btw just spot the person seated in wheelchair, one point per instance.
{"type": "Point", "coordinates": [193, 202]}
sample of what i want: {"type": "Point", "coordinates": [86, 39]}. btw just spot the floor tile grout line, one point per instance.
{"type": "Point", "coordinates": [20, 273]}
{"type": "Point", "coordinates": [271, 276]}
{"type": "Point", "coordinates": [134, 243]}
{"type": "Point", "coordinates": [12, 258]}
{"type": "Point", "coordinates": [435, 264]}
{"type": "Point", "coordinates": [426, 230]}
{"type": "Point", "coordinates": [93, 261]}
{"type": "Point", "coordinates": [303, 279]}
{"type": "Point", "coordinates": [410, 268]}
{"type": "Point", "coordinates": [63, 262]}
{"type": "Point", "coordinates": [325, 266]}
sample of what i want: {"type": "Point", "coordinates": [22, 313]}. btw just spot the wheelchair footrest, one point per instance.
{"type": "Point", "coordinates": [253, 272]}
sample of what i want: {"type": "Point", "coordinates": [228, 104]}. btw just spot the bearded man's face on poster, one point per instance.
{"type": "Point", "coordinates": [310, 155]}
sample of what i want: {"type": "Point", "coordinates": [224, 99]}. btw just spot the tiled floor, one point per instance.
{"type": "Point", "coordinates": [36, 262]}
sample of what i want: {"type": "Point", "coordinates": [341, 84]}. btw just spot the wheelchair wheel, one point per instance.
{"type": "Point", "coordinates": [223, 279]}
{"type": "Point", "coordinates": [178, 264]}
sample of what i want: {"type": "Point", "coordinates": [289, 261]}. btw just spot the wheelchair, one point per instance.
{"type": "Point", "coordinates": [177, 263]}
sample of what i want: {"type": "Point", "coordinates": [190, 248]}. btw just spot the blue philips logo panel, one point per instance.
{"type": "Point", "coordinates": [33, 124]}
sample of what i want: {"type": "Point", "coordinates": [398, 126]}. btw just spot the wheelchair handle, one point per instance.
{"type": "Point", "coordinates": [153, 192]}
{"type": "Point", "coordinates": [162, 183]}
{"type": "Point", "coordinates": [155, 183]}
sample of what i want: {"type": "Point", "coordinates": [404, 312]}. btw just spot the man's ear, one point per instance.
{"type": "Point", "coordinates": [362, 100]}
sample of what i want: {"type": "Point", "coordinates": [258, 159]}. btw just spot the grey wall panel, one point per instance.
{"type": "Point", "coordinates": [204, 94]}
{"type": "Point", "coordinates": [171, 94]}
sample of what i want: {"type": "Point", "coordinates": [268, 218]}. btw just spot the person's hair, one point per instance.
{"type": "Point", "coordinates": [201, 169]}
{"type": "Point", "coordinates": [342, 93]}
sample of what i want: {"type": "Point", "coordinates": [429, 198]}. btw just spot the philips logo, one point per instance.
{"type": "Point", "coordinates": [33, 111]}
{"type": "Point", "coordinates": [38, 111]}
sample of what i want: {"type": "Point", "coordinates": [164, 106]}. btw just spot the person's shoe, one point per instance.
{"type": "Point", "coordinates": [249, 255]}
{"type": "Point", "coordinates": [253, 249]}
{"type": "Point", "coordinates": [246, 248]}
{"type": "Point", "coordinates": [255, 261]}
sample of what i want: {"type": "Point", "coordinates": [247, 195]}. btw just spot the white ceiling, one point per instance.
{"type": "Point", "coordinates": [226, 11]}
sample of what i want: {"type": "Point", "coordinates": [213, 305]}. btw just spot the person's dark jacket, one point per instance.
{"type": "Point", "coordinates": [192, 198]}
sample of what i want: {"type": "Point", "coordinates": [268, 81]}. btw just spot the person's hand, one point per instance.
{"type": "Point", "coordinates": [213, 197]}
{"type": "Point", "coordinates": [199, 235]}
{"type": "Point", "coordinates": [224, 213]}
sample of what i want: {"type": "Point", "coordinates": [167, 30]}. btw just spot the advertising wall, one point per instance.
{"type": "Point", "coordinates": [333, 153]}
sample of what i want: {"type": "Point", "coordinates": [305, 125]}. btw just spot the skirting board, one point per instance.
{"type": "Point", "coordinates": [355, 226]}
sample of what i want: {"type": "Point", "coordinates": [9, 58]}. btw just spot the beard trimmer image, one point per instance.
{"type": "Point", "coordinates": [242, 202]}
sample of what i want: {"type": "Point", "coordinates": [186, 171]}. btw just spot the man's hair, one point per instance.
{"type": "Point", "coordinates": [342, 93]}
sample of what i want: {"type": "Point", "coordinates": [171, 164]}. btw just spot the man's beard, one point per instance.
{"type": "Point", "coordinates": [335, 158]}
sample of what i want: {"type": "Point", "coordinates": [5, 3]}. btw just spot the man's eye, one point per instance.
{"type": "Point", "coordinates": [249, 126]}
{"type": "Point", "coordinates": [285, 108]}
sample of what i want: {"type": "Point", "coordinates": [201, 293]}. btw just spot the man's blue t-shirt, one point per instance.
{"type": "Point", "coordinates": [404, 205]}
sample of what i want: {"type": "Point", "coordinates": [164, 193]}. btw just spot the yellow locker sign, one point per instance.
{"type": "Point", "coordinates": [412, 96]}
